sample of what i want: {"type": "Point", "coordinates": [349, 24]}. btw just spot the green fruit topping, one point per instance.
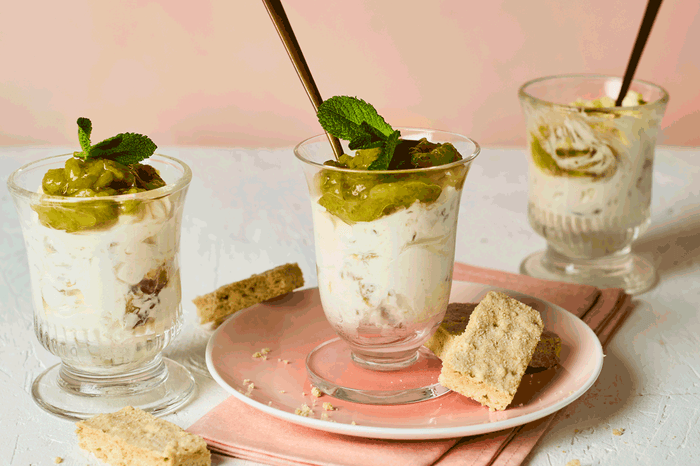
{"type": "Point", "coordinates": [429, 154]}
{"type": "Point", "coordinates": [97, 173]}
{"type": "Point", "coordinates": [363, 197]}
{"type": "Point", "coordinates": [592, 163]}
{"type": "Point", "coordinates": [379, 199]}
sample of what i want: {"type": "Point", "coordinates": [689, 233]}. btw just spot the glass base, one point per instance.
{"type": "Point", "coordinates": [336, 371]}
{"type": "Point", "coordinates": [159, 388]}
{"type": "Point", "coordinates": [623, 270]}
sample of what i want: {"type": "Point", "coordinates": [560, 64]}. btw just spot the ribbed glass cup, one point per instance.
{"type": "Point", "coordinates": [106, 292]}
{"type": "Point", "coordinates": [590, 177]}
{"type": "Point", "coordinates": [384, 266]}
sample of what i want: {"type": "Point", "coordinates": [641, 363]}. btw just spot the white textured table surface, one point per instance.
{"type": "Point", "coordinates": [248, 211]}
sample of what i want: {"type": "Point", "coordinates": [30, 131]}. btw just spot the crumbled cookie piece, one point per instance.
{"type": "Point", "coordinates": [574, 463]}
{"type": "Point", "coordinates": [618, 432]}
{"type": "Point", "coordinates": [304, 410]}
{"type": "Point", "coordinates": [58, 460]}
{"type": "Point", "coordinates": [353, 423]}
{"type": "Point", "coordinates": [315, 391]}
{"type": "Point", "coordinates": [329, 407]}
{"type": "Point", "coordinates": [246, 381]}
{"type": "Point", "coordinates": [265, 350]}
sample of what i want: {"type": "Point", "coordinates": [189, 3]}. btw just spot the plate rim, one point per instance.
{"type": "Point", "coordinates": [413, 433]}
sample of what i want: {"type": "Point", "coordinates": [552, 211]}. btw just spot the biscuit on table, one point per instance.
{"type": "Point", "coordinates": [136, 438]}
{"type": "Point", "coordinates": [224, 301]}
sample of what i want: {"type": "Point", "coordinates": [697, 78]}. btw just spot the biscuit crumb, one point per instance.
{"type": "Point", "coordinates": [329, 407]}
{"type": "Point", "coordinates": [285, 361]}
{"type": "Point", "coordinates": [283, 391]}
{"type": "Point", "coordinates": [618, 432]}
{"type": "Point", "coordinates": [573, 463]}
{"type": "Point", "coordinates": [257, 354]}
{"type": "Point", "coordinates": [269, 403]}
{"type": "Point", "coordinates": [265, 350]}
{"type": "Point", "coordinates": [304, 410]}
{"type": "Point", "coordinates": [315, 391]}
{"type": "Point", "coordinates": [279, 359]}
{"type": "Point", "coordinates": [58, 460]}
{"type": "Point", "coordinates": [246, 381]}
{"type": "Point", "coordinates": [353, 423]}
{"type": "Point", "coordinates": [251, 386]}
{"type": "Point", "coordinates": [303, 393]}
{"type": "Point", "coordinates": [324, 416]}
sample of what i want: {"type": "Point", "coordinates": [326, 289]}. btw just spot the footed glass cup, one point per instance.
{"type": "Point", "coordinates": [590, 178]}
{"type": "Point", "coordinates": [105, 284]}
{"type": "Point", "coordinates": [385, 244]}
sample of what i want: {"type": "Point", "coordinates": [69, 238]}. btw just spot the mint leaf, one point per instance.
{"type": "Point", "coordinates": [342, 116]}
{"type": "Point", "coordinates": [125, 148]}
{"type": "Point", "coordinates": [84, 131]}
{"type": "Point", "coordinates": [360, 141]}
{"type": "Point", "coordinates": [382, 162]}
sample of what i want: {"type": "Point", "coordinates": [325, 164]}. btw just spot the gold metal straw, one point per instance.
{"type": "Point", "coordinates": [284, 29]}
{"type": "Point", "coordinates": [642, 36]}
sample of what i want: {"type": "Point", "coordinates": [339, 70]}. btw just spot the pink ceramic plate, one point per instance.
{"type": "Point", "coordinates": [294, 324]}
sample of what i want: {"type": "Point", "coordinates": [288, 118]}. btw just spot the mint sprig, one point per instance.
{"type": "Point", "coordinates": [124, 148]}
{"type": "Point", "coordinates": [358, 122]}
{"type": "Point", "coordinates": [387, 153]}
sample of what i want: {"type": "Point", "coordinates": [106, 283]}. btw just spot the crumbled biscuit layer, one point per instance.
{"type": "Point", "coordinates": [487, 362]}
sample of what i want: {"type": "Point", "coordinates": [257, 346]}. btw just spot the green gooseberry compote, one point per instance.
{"type": "Point", "coordinates": [109, 168]}
{"type": "Point", "coordinates": [373, 193]}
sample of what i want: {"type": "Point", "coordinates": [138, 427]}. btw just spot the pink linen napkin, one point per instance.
{"type": "Point", "coordinates": [236, 429]}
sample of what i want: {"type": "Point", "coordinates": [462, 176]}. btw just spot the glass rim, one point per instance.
{"type": "Point", "coordinates": [157, 193]}
{"type": "Point", "coordinates": [522, 92]}
{"type": "Point", "coordinates": [466, 159]}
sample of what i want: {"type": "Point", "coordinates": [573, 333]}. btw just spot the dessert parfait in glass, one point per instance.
{"type": "Point", "coordinates": [102, 233]}
{"type": "Point", "coordinates": [384, 229]}
{"type": "Point", "coordinates": [590, 172]}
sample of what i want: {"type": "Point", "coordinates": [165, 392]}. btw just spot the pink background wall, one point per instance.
{"type": "Point", "coordinates": [214, 73]}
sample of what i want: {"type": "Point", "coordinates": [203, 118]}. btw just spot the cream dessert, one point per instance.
{"type": "Point", "coordinates": [385, 221]}
{"type": "Point", "coordinates": [102, 238]}
{"type": "Point", "coordinates": [590, 174]}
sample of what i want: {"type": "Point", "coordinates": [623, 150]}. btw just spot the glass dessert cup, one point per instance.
{"type": "Point", "coordinates": [105, 284]}
{"type": "Point", "coordinates": [385, 244]}
{"type": "Point", "coordinates": [590, 178]}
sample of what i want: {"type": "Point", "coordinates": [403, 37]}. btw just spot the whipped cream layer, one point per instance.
{"type": "Point", "coordinates": [385, 275]}
{"type": "Point", "coordinates": [108, 290]}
